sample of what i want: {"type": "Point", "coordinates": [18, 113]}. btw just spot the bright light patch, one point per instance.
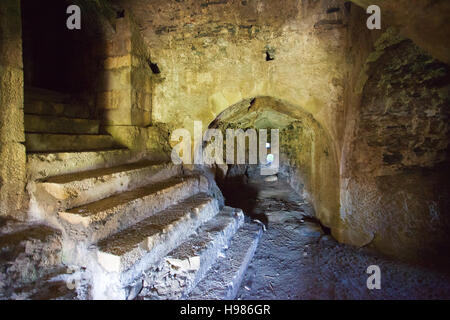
{"type": "Point", "coordinates": [270, 158]}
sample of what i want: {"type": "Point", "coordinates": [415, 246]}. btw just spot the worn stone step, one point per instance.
{"type": "Point", "coordinates": [156, 234]}
{"type": "Point", "coordinates": [45, 94]}
{"type": "Point", "coordinates": [223, 280]}
{"type": "Point", "coordinates": [54, 108]}
{"type": "Point", "coordinates": [76, 189]}
{"type": "Point", "coordinates": [128, 255]}
{"type": "Point", "coordinates": [187, 264]}
{"type": "Point", "coordinates": [42, 165]}
{"type": "Point", "coordinates": [99, 219]}
{"type": "Point", "coordinates": [51, 124]}
{"type": "Point", "coordinates": [44, 142]}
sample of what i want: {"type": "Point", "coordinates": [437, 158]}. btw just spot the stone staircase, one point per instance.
{"type": "Point", "coordinates": [137, 226]}
{"type": "Point", "coordinates": [53, 122]}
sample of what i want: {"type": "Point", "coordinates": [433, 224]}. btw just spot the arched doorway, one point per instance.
{"type": "Point", "coordinates": [308, 160]}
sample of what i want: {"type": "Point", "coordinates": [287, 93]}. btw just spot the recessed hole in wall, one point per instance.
{"type": "Point", "coordinates": [269, 56]}
{"type": "Point", "coordinates": [154, 67]}
{"type": "Point", "coordinates": [252, 102]}
{"type": "Point", "coordinates": [120, 14]}
{"type": "Point", "coordinates": [331, 10]}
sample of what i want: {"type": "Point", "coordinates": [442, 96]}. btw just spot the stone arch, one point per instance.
{"type": "Point", "coordinates": [306, 148]}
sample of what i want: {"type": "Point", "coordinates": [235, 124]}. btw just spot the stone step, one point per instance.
{"type": "Point", "coordinates": [97, 220]}
{"type": "Point", "coordinates": [223, 280]}
{"type": "Point", "coordinates": [54, 108]}
{"type": "Point", "coordinates": [43, 165]}
{"type": "Point", "coordinates": [77, 189]}
{"type": "Point", "coordinates": [186, 265]}
{"type": "Point", "coordinates": [43, 142]}
{"type": "Point", "coordinates": [126, 256]}
{"type": "Point", "coordinates": [156, 234]}
{"type": "Point", "coordinates": [45, 94]}
{"type": "Point", "coordinates": [51, 124]}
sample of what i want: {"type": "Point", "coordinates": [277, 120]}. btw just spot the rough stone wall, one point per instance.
{"type": "Point", "coordinates": [394, 165]}
{"type": "Point", "coordinates": [12, 150]}
{"type": "Point", "coordinates": [213, 55]}
{"type": "Point", "coordinates": [313, 161]}
{"type": "Point", "coordinates": [423, 21]}
{"type": "Point", "coordinates": [27, 254]}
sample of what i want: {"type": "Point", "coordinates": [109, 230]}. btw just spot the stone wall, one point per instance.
{"type": "Point", "coordinates": [425, 22]}
{"type": "Point", "coordinates": [320, 57]}
{"type": "Point", "coordinates": [124, 96]}
{"type": "Point", "coordinates": [214, 54]}
{"type": "Point", "coordinates": [394, 164]}
{"type": "Point", "coordinates": [12, 150]}
{"type": "Point", "coordinates": [124, 91]}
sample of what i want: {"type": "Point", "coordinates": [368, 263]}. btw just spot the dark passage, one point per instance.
{"type": "Point", "coordinates": [298, 259]}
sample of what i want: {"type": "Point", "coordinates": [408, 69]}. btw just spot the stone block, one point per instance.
{"type": "Point", "coordinates": [116, 99]}
{"type": "Point", "coordinates": [140, 117]}
{"type": "Point", "coordinates": [143, 100]}
{"type": "Point", "coordinates": [157, 140]}
{"type": "Point", "coordinates": [123, 27]}
{"type": "Point", "coordinates": [130, 136]}
{"type": "Point", "coordinates": [117, 117]}
{"type": "Point", "coordinates": [117, 62]}
{"type": "Point", "coordinates": [137, 61]}
{"type": "Point", "coordinates": [11, 87]}
{"type": "Point", "coordinates": [11, 125]}
{"type": "Point", "coordinates": [141, 78]}
{"type": "Point", "coordinates": [12, 178]}
{"type": "Point", "coordinates": [115, 79]}
{"type": "Point", "coordinates": [10, 33]}
{"type": "Point", "coordinates": [117, 48]}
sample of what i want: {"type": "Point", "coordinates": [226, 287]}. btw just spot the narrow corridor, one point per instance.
{"type": "Point", "coordinates": [295, 259]}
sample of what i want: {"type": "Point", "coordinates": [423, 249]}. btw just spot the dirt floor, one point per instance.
{"type": "Point", "coordinates": [296, 259]}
